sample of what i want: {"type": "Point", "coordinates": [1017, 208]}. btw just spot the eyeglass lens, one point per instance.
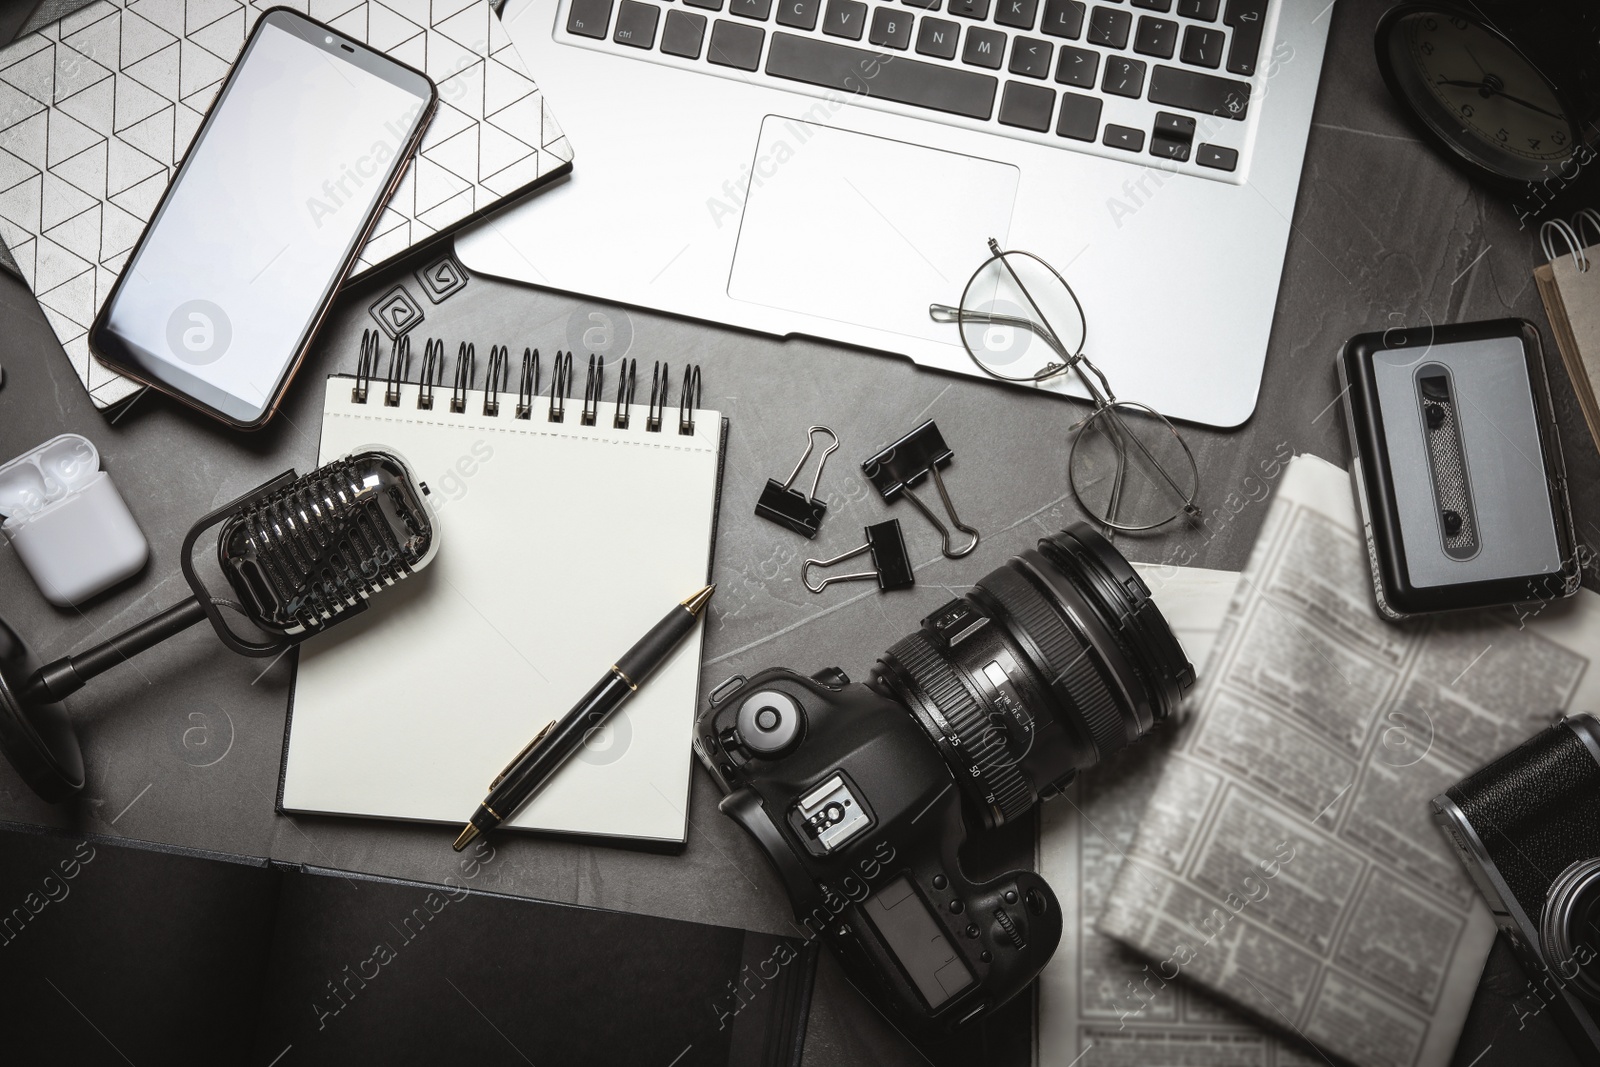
{"type": "Point", "coordinates": [1008, 330]}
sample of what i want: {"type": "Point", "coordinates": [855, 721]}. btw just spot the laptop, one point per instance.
{"type": "Point", "coordinates": [829, 168]}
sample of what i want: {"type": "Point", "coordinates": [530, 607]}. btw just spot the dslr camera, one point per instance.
{"type": "Point", "coordinates": [1527, 827]}
{"type": "Point", "coordinates": [862, 794]}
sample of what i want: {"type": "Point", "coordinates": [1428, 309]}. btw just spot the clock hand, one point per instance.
{"type": "Point", "coordinates": [1484, 86]}
{"type": "Point", "coordinates": [1530, 106]}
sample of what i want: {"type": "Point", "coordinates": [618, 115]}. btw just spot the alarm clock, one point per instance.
{"type": "Point", "coordinates": [1507, 90]}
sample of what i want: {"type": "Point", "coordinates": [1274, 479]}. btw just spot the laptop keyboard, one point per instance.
{"type": "Point", "coordinates": [1125, 79]}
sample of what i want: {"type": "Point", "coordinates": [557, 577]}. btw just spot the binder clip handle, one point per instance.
{"type": "Point", "coordinates": [920, 454]}
{"type": "Point", "coordinates": [891, 566]}
{"type": "Point", "coordinates": [788, 507]}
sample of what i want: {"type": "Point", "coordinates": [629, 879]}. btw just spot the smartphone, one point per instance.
{"type": "Point", "coordinates": [290, 169]}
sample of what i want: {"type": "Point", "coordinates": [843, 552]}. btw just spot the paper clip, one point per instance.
{"type": "Point", "coordinates": [789, 508]}
{"type": "Point", "coordinates": [903, 464]}
{"type": "Point", "coordinates": [890, 564]}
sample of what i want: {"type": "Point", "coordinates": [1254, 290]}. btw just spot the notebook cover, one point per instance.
{"type": "Point", "coordinates": [115, 950]}
{"type": "Point", "coordinates": [119, 950]}
{"type": "Point", "coordinates": [633, 785]}
{"type": "Point", "coordinates": [97, 110]}
{"type": "Point", "coordinates": [401, 971]}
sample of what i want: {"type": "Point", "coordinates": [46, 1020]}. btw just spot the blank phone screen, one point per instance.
{"type": "Point", "coordinates": [246, 249]}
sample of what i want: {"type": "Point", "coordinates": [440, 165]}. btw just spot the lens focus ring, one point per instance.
{"type": "Point", "coordinates": [979, 744]}
{"type": "Point", "coordinates": [1071, 670]}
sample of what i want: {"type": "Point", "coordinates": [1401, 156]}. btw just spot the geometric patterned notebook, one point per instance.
{"type": "Point", "coordinates": [97, 109]}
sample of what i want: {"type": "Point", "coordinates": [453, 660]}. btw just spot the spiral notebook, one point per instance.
{"type": "Point", "coordinates": [567, 528]}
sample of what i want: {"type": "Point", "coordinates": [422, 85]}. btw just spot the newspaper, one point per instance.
{"type": "Point", "coordinates": [1286, 860]}
{"type": "Point", "coordinates": [1083, 1017]}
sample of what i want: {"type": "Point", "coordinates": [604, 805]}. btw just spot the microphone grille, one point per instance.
{"type": "Point", "coordinates": [310, 554]}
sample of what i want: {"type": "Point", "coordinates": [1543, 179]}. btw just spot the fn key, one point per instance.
{"type": "Point", "coordinates": [589, 18]}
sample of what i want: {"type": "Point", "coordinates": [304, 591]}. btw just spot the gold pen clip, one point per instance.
{"type": "Point", "coordinates": [529, 747]}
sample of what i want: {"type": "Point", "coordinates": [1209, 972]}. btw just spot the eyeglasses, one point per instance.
{"type": "Point", "coordinates": [1128, 466]}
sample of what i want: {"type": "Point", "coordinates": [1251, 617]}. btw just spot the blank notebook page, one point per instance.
{"type": "Point", "coordinates": [559, 546]}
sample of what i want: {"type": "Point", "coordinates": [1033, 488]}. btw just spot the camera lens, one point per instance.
{"type": "Point", "coordinates": [1569, 929]}
{"type": "Point", "coordinates": [1054, 661]}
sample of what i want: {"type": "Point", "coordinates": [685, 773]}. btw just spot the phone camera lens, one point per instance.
{"type": "Point", "coordinates": [327, 40]}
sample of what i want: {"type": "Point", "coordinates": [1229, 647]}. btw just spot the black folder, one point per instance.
{"type": "Point", "coordinates": [116, 952]}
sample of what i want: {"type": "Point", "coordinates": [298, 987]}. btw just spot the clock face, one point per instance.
{"type": "Point", "coordinates": [1480, 94]}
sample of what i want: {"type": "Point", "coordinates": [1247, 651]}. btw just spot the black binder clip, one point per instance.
{"type": "Point", "coordinates": [890, 564]}
{"type": "Point", "coordinates": [790, 508]}
{"type": "Point", "coordinates": [903, 464]}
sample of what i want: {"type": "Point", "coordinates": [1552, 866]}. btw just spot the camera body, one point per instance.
{"type": "Point", "coordinates": [1527, 826]}
{"type": "Point", "coordinates": [862, 795]}
{"type": "Point", "coordinates": [863, 821]}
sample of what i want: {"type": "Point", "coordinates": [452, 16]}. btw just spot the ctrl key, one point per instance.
{"type": "Point", "coordinates": [589, 18]}
{"type": "Point", "coordinates": [1216, 157]}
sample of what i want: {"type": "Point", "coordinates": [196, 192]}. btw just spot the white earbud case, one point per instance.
{"type": "Point", "coordinates": [67, 522]}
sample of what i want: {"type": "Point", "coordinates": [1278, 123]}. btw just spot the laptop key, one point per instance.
{"type": "Point", "coordinates": [1080, 116]}
{"type": "Point", "coordinates": [1205, 10]}
{"type": "Point", "coordinates": [1062, 18]}
{"type": "Point", "coordinates": [932, 5]}
{"type": "Point", "coordinates": [1202, 47]}
{"type": "Point", "coordinates": [891, 28]}
{"type": "Point", "coordinates": [1123, 137]}
{"type": "Point", "coordinates": [905, 81]}
{"type": "Point", "coordinates": [845, 18]}
{"type": "Point", "coordinates": [937, 38]}
{"type": "Point", "coordinates": [1156, 37]}
{"type": "Point", "coordinates": [1154, 5]}
{"type": "Point", "coordinates": [801, 14]}
{"type": "Point", "coordinates": [1124, 77]}
{"type": "Point", "coordinates": [1205, 93]}
{"type": "Point", "coordinates": [736, 44]}
{"type": "Point", "coordinates": [1109, 27]}
{"type": "Point", "coordinates": [1031, 58]}
{"type": "Point", "coordinates": [1216, 157]}
{"type": "Point", "coordinates": [1247, 17]}
{"type": "Point", "coordinates": [1027, 107]}
{"type": "Point", "coordinates": [984, 48]}
{"type": "Point", "coordinates": [751, 9]}
{"type": "Point", "coordinates": [1017, 13]}
{"type": "Point", "coordinates": [636, 24]}
{"type": "Point", "coordinates": [683, 34]}
{"type": "Point", "coordinates": [1077, 66]}
{"type": "Point", "coordinates": [969, 9]}
{"type": "Point", "coordinates": [589, 18]}
{"type": "Point", "coordinates": [1172, 136]}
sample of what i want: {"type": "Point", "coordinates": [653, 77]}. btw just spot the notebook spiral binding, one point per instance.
{"type": "Point", "coordinates": [466, 366]}
{"type": "Point", "coordinates": [497, 380]}
{"type": "Point", "coordinates": [560, 386]}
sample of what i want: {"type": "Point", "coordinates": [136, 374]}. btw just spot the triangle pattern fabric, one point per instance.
{"type": "Point", "coordinates": [95, 111]}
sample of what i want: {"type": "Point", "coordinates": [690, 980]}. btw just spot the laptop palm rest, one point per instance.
{"type": "Point", "coordinates": [864, 229]}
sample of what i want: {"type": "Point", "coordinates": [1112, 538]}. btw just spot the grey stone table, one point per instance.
{"type": "Point", "coordinates": [185, 748]}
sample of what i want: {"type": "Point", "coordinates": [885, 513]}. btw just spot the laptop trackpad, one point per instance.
{"type": "Point", "coordinates": [863, 229]}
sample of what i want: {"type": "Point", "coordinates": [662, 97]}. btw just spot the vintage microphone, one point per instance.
{"type": "Point", "coordinates": [301, 554]}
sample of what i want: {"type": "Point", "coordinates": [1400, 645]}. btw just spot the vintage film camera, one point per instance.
{"type": "Point", "coordinates": [861, 795]}
{"type": "Point", "coordinates": [1527, 827]}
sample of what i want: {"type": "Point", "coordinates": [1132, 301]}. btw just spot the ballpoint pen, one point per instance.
{"type": "Point", "coordinates": [552, 746]}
